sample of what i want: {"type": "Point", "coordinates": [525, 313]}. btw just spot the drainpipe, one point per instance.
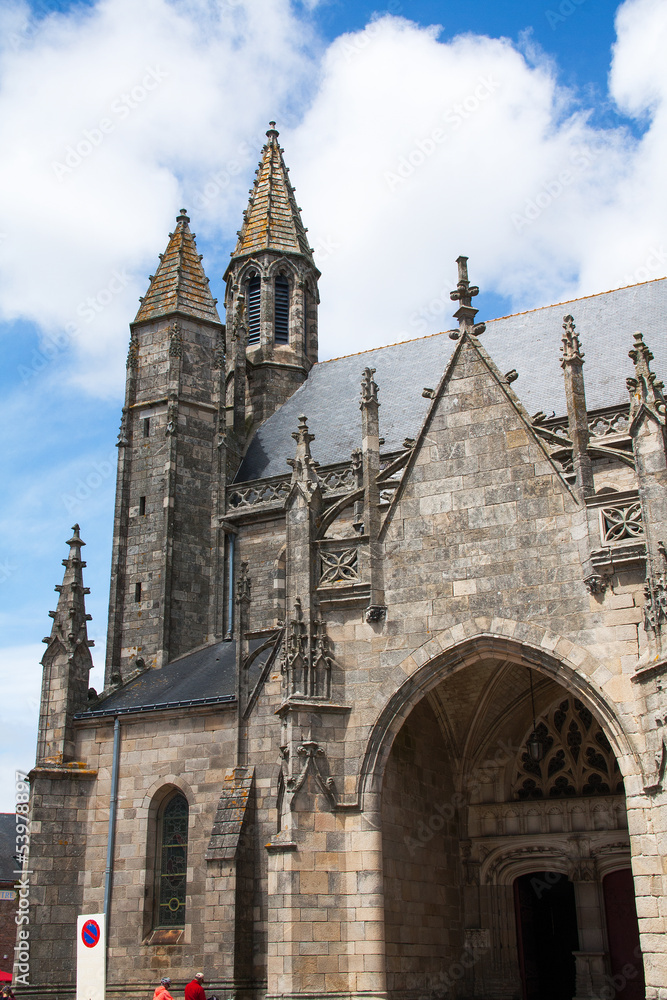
{"type": "Point", "coordinates": [230, 587]}
{"type": "Point", "coordinates": [113, 802]}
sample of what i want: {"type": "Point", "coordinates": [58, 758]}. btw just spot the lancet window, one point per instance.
{"type": "Point", "coordinates": [173, 858]}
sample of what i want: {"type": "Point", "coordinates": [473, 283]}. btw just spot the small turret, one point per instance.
{"type": "Point", "coordinates": [66, 663]}
{"type": "Point", "coordinates": [272, 272]}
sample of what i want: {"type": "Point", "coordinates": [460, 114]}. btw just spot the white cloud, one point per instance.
{"type": "Point", "coordinates": [19, 710]}
{"type": "Point", "coordinates": [103, 126]}
{"type": "Point", "coordinates": [408, 151]}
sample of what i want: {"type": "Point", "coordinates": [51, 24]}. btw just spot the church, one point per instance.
{"type": "Point", "coordinates": [384, 712]}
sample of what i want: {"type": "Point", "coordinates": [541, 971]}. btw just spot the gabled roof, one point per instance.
{"type": "Point", "coordinates": [529, 342]}
{"type": "Point", "coordinates": [272, 220]}
{"type": "Point", "coordinates": [179, 284]}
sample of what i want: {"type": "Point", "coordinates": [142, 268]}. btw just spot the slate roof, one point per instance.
{"type": "Point", "coordinates": [179, 284]}
{"type": "Point", "coordinates": [205, 676]}
{"type": "Point", "coordinates": [272, 220]}
{"type": "Point", "coordinates": [529, 342]}
{"type": "Point", "coordinates": [7, 847]}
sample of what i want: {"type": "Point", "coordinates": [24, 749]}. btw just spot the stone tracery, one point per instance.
{"type": "Point", "coordinates": [578, 759]}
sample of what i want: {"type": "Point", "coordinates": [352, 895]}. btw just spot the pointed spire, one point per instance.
{"type": "Point", "coordinates": [179, 284]}
{"type": "Point", "coordinates": [272, 220]}
{"type": "Point", "coordinates": [646, 393]}
{"type": "Point", "coordinates": [570, 342]}
{"type": "Point", "coordinates": [70, 618]}
{"type": "Point", "coordinates": [464, 293]}
{"type": "Point", "coordinates": [303, 466]}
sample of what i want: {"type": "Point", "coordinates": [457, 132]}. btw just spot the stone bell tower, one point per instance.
{"type": "Point", "coordinates": [271, 299]}
{"type": "Point", "coordinates": [163, 573]}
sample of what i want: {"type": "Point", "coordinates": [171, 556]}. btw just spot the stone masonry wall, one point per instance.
{"type": "Point", "coordinates": [421, 876]}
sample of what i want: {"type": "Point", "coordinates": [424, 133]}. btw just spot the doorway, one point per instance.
{"type": "Point", "coordinates": [547, 935]}
{"type": "Point", "coordinates": [625, 957]}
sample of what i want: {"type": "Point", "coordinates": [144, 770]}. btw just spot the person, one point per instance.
{"type": "Point", "coordinates": [194, 990]}
{"type": "Point", "coordinates": [162, 991]}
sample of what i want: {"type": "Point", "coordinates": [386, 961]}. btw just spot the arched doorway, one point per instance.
{"type": "Point", "coordinates": [547, 935]}
{"type": "Point", "coordinates": [468, 811]}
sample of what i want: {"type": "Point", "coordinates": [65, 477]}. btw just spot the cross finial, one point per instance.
{"type": "Point", "coordinates": [464, 293]}
{"type": "Point", "coordinates": [570, 342]}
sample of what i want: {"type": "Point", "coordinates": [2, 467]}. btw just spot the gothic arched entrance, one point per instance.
{"type": "Point", "coordinates": [498, 773]}
{"type": "Point", "coordinates": [547, 935]}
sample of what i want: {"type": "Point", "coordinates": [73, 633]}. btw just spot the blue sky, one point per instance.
{"type": "Point", "coordinates": [549, 176]}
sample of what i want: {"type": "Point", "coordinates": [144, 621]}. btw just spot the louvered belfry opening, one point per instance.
{"type": "Point", "coordinates": [254, 286]}
{"type": "Point", "coordinates": [281, 314]}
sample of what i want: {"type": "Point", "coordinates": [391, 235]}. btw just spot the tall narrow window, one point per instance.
{"type": "Point", "coordinates": [142, 505]}
{"type": "Point", "coordinates": [173, 859]}
{"type": "Point", "coordinates": [147, 427]}
{"type": "Point", "coordinates": [281, 313]}
{"type": "Point", "coordinates": [137, 592]}
{"type": "Point", "coordinates": [254, 286]}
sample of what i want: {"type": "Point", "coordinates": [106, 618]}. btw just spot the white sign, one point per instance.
{"type": "Point", "coordinates": [90, 957]}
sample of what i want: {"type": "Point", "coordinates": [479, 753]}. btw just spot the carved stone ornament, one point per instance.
{"type": "Point", "coordinates": [219, 353]}
{"type": "Point", "coordinates": [243, 585]}
{"type": "Point", "coordinates": [570, 343]}
{"type": "Point", "coordinates": [306, 663]}
{"type": "Point", "coordinates": [175, 342]}
{"type": "Point", "coordinates": [369, 389]}
{"type": "Point", "coordinates": [312, 754]}
{"type": "Point", "coordinates": [172, 419]}
{"type": "Point", "coordinates": [655, 602]}
{"type": "Point", "coordinates": [595, 584]}
{"type": "Point", "coordinates": [123, 439]}
{"type": "Point", "coordinates": [133, 353]}
{"type": "Point", "coordinates": [376, 613]}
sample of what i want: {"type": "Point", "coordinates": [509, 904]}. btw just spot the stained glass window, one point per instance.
{"type": "Point", "coordinates": [173, 863]}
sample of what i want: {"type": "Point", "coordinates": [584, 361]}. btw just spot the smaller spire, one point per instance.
{"type": "Point", "coordinates": [272, 220]}
{"type": "Point", "coordinates": [464, 293]}
{"type": "Point", "coordinates": [646, 392]}
{"type": "Point", "coordinates": [70, 618]}
{"type": "Point", "coordinates": [369, 389]}
{"type": "Point", "coordinates": [570, 343]}
{"type": "Point", "coordinates": [179, 283]}
{"type": "Point", "coordinates": [303, 466]}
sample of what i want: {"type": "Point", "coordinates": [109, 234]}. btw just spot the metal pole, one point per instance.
{"type": "Point", "coordinates": [113, 802]}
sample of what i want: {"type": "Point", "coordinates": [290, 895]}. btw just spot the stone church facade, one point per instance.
{"type": "Point", "coordinates": [383, 713]}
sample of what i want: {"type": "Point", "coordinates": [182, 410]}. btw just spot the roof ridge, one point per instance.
{"type": "Point", "coordinates": [524, 312]}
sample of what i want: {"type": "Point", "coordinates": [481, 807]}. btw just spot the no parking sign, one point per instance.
{"type": "Point", "coordinates": [90, 957]}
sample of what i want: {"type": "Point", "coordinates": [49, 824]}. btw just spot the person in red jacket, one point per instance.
{"type": "Point", "coordinates": [194, 990]}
